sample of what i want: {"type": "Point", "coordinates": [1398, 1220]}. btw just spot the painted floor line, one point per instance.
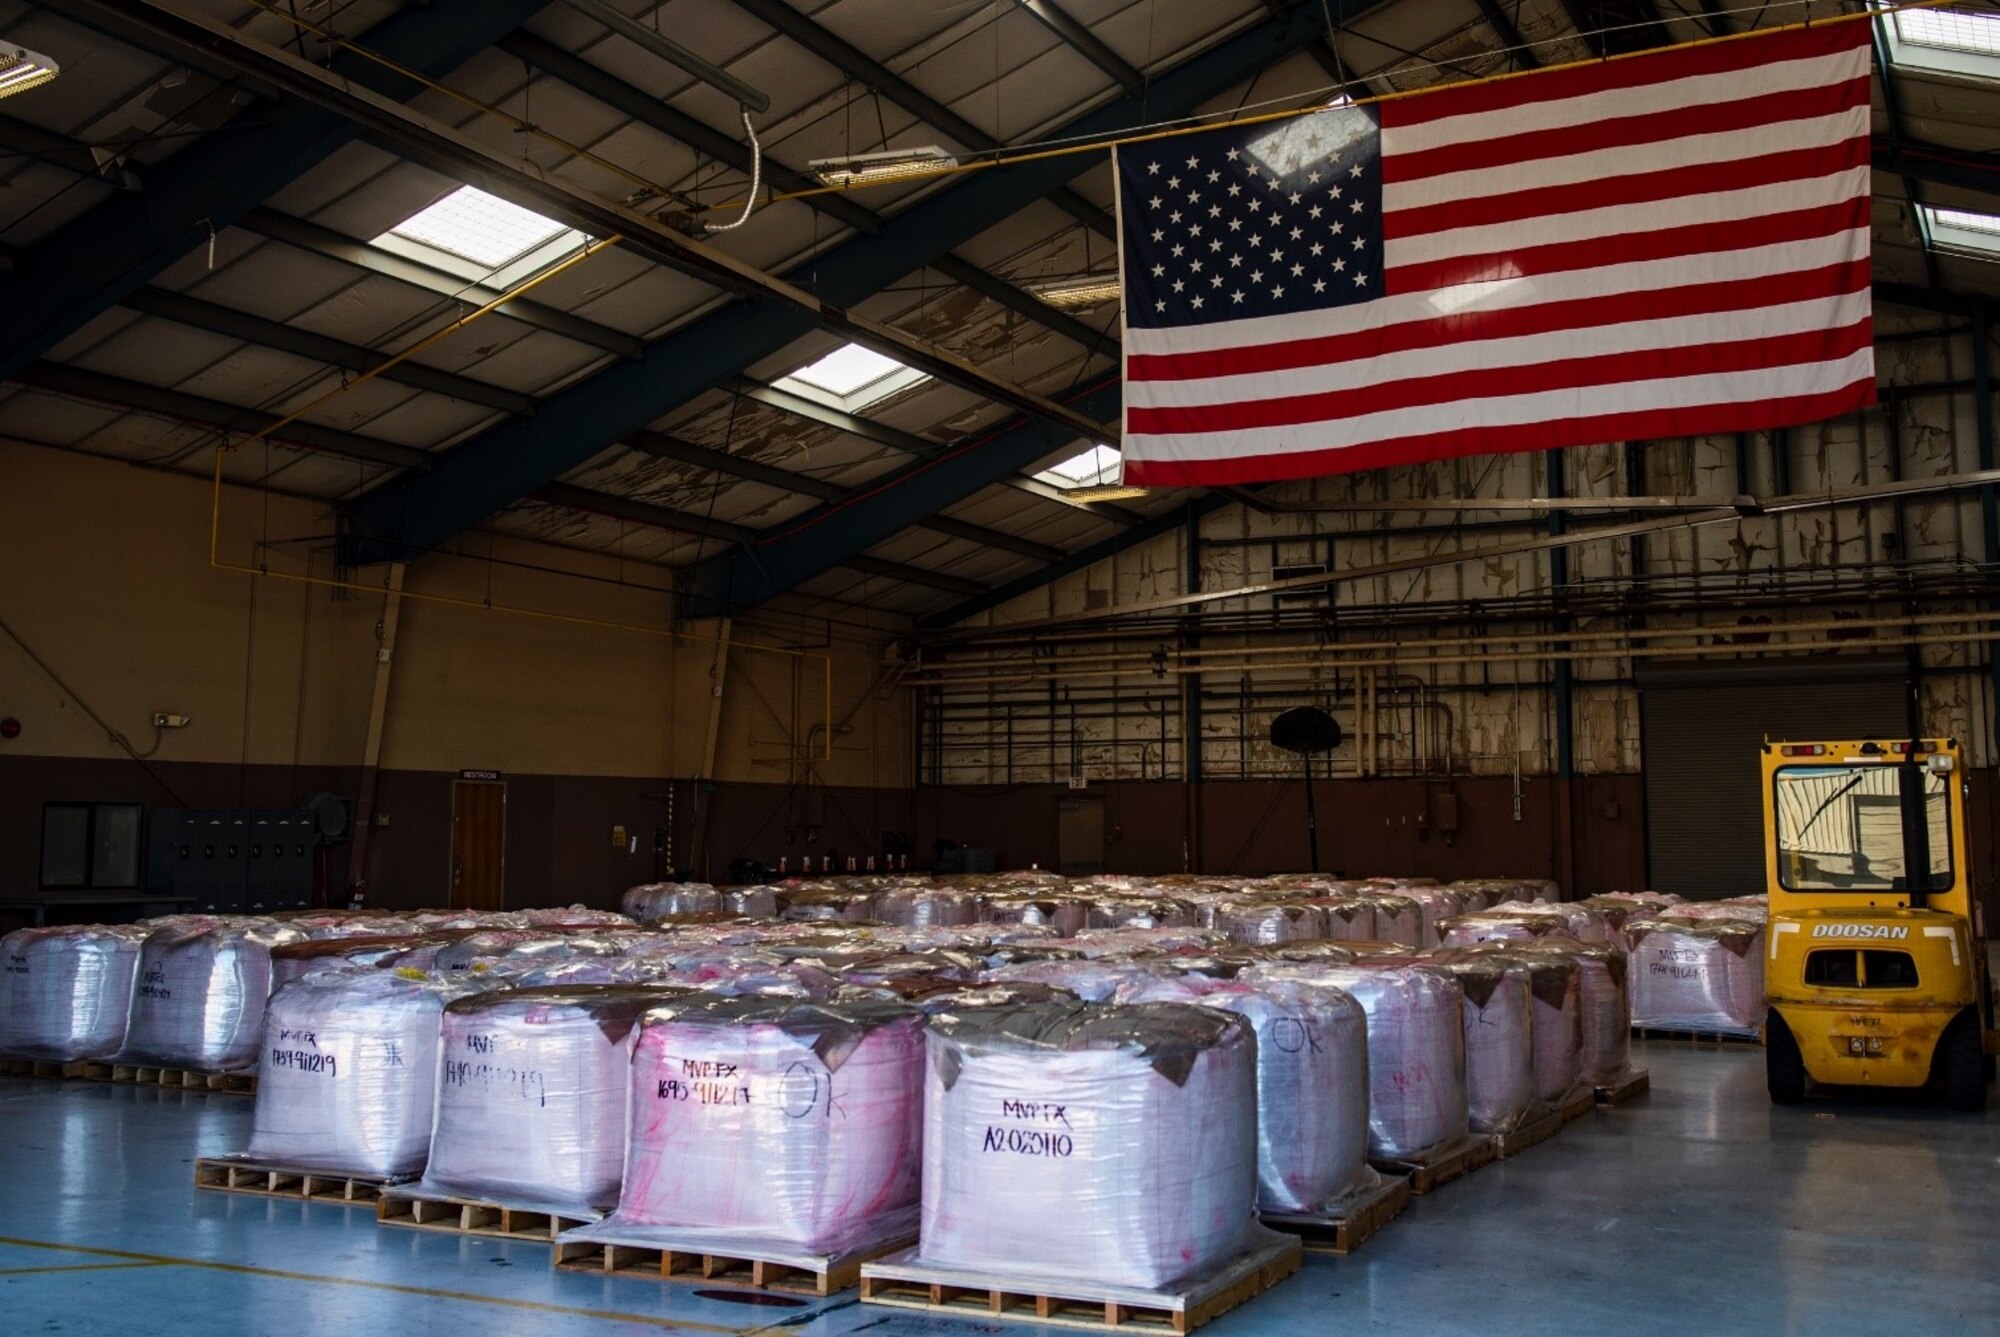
{"type": "Point", "coordinates": [71, 1267]}
{"type": "Point", "coordinates": [245, 1269]}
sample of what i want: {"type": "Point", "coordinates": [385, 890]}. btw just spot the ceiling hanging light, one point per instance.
{"type": "Point", "coordinates": [869, 169]}
{"type": "Point", "coordinates": [22, 69]}
{"type": "Point", "coordinates": [1077, 290]}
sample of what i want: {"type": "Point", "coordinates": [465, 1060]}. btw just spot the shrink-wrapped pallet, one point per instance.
{"type": "Point", "coordinates": [1348, 918]}
{"type": "Point", "coordinates": [1702, 975]}
{"type": "Point", "coordinates": [1400, 919]}
{"type": "Point", "coordinates": [1140, 942]}
{"type": "Point", "coordinates": [299, 959]}
{"type": "Point", "coordinates": [1108, 1144]}
{"type": "Point", "coordinates": [1555, 985]}
{"type": "Point", "coordinates": [1116, 912]}
{"type": "Point", "coordinates": [926, 907]}
{"type": "Point", "coordinates": [1499, 1038]}
{"type": "Point", "coordinates": [348, 1077]}
{"type": "Point", "coordinates": [1094, 981]}
{"type": "Point", "coordinates": [1312, 1084]}
{"type": "Point", "coordinates": [478, 951]}
{"type": "Point", "coordinates": [775, 1123]}
{"type": "Point", "coordinates": [198, 1001]}
{"type": "Point", "coordinates": [656, 899]}
{"type": "Point", "coordinates": [1606, 1007]}
{"type": "Point", "coordinates": [1482, 926]}
{"type": "Point", "coordinates": [1065, 914]}
{"type": "Point", "coordinates": [753, 902]}
{"type": "Point", "coordinates": [851, 907]}
{"type": "Point", "coordinates": [1577, 920]}
{"type": "Point", "coordinates": [533, 1093]}
{"type": "Point", "coordinates": [66, 993]}
{"type": "Point", "coordinates": [1416, 1051]}
{"type": "Point", "coordinates": [1263, 923]}
{"type": "Point", "coordinates": [574, 917]}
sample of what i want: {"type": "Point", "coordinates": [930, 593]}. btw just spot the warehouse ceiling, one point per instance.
{"type": "Point", "coordinates": [208, 245]}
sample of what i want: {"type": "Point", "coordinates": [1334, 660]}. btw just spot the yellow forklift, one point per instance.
{"type": "Point", "coordinates": [1876, 970]}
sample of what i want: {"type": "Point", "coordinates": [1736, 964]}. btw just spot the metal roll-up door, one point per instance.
{"type": "Point", "coordinates": [1702, 727]}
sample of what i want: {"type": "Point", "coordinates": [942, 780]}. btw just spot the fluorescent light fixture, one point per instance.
{"type": "Point", "coordinates": [1951, 30]}
{"type": "Point", "coordinates": [482, 228]}
{"type": "Point", "coordinates": [1078, 290]}
{"type": "Point", "coordinates": [1962, 230]}
{"type": "Point", "coordinates": [22, 69]}
{"type": "Point", "coordinates": [869, 169]}
{"type": "Point", "coordinates": [850, 378]}
{"type": "Point", "coordinates": [1091, 475]}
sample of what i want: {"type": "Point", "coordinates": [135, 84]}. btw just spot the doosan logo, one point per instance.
{"type": "Point", "coordinates": [1860, 931]}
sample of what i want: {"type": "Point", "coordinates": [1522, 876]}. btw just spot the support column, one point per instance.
{"type": "Point", "coordinates": [378, 718]}
{"type": "Point", "coordinates": [1989, 508]}
{"type": "Point", "coordinates": [1191, 695]}
{"type": "Point", "coordinates": [1562, 692]}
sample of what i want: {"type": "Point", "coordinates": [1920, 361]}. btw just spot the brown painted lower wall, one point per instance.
{"type": "Point", "coordinates": [559, 849]}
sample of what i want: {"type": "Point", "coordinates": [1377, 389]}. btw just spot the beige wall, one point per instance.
{"type": "Point", "coordinates": [108, 581]}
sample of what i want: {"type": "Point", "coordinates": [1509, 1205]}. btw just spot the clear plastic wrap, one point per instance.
{"type": "Point", "coordinates": [1065, 914]}
{"type": "Point", "coordinates": [1480, 926]}
{"type": "Point", "coordinates": [1416, 1051]}
{"type": "Point", "coordinates": [927, 907]}
{"type": "Point", "coordinates": [851, 907]}
{"type": "Point", "coordinates": [655, 899]}
{"type": "Point", "coordinates": [1115, 912]}
{"type": "Point", "coordinates": [1109, 1144]}
{"type": "Point", "coordinates": [533, 1094]}
{"type": "Point", "coordinates": [1093, 981]}
{"type": "Point", "coordinates": [1400, 919]}
{"type": "Point", "coordinates": [1312, 1084]}
{"type": "Point", "coordinates": [574, 917]}
{"type": "Point", "coordinates": [66, 993]}
{"type": "Point", "coordinates": [198, 1001]}
{"type": "Point", "coordinates": [1264, 923]}
{"type": "Point", "coordinates": [1499, 1038]}
{"type": "Point", "coordinates": [1606, 1007]}
{"type": "Point", "coordinates": [476, 951]}
{"type": "Point", "coordinates": [348, 1078]}
{"type": "Point", "coordinates": [1697, 974]}
{"type": "Point", "coordinates": [299, 959]}
{"type": "Point", "coordinates": [753, 902]}
{"type": "Point", "coordinates": [1348, 918]}
{"type": "Point", "coordinates": [1555, 983]}
{"type": "Point", "coordinates": [778, 1122]}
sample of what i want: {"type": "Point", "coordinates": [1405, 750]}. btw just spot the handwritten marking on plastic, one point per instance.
{"type": "Point", "coordinates": [527, 1083]}
{"type": "Point", "coordinates": [1050, 1138]}
{"type": "Point", "coordinates": [1292, 1034]}
{"type": "Point", "coordinates": [153, 984]}
{"type": "Point", "coordinates": [304, 1060]}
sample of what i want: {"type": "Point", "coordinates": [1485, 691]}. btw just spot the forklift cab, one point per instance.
{"type": "Point", "coordinates": [1876, 965]}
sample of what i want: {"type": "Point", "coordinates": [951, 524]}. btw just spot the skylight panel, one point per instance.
{"type": "Point", "coordinates": [847, 369]}
{"type": "Point", "coordinates": [851, 378]}
{"type": "Point", "coordinates": [1951, 30]}
{"type": "Point", "coordinates": [1096, 467]}
{"type": "Point", "coordinates": [482, 228]}
{"type": "Point", "coordinates": [1963, 230]}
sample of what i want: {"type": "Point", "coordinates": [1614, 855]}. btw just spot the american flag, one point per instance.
{"type": "Point", "coordinates": [1667, 245]}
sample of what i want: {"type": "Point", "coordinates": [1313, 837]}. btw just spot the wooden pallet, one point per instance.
{"type": "Point", "coordinates": [263, 1179]}
{"type": "Point", "coordinates": [472, 1216]}
{"type": "Point", "coordinates": [1532, 1133]}
{"type": "Point", "coordinates": [1348, 1231]}
{"type": "Point", "coordinates": [1715, 1039]}
{"type": "Point", "coordinates": [190, 1079]}
{"type": "Point", "coordinates": [1634, 1083]}
{"type": "Point", "coordinates": [1578, 1105]}
{"type": "Point", "coordinates": [768, 1268]}
{"type": "Point", "coordinates": [35, 1067]}
{"type": "Point", "coordinates": [1440, 1167]}
{"type": "Point", "coordinates": [905, 1281]}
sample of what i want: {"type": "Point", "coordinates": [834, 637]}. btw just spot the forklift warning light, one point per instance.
{"type": "Point", "coordinates": [1805, 749]}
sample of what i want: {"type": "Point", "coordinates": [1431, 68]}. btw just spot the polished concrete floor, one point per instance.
{"type": "Point", "coordinates": [1697, 1210]}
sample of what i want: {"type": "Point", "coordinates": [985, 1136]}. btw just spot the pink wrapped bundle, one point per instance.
{"type": "Point", "coordinates": [1139, 912]}
{"type": "Point", "coordinates": [66, 992]}
{"type": "Point", "coordinates": [470, 920]}
{"type": "Point", "coordinates": [299, 959]}
{"type": "Point", "coordinates": [1099, 942]}
{"type": "Point", "coordinates": [1556, 985]}
{"type": "Point", "coordinates": [1416, 1051]}
{"type": "Point", "coordinates": [348, 1079]}
{"type": "Point", "coordinates": [1263, 923]}
{"type": "Point", "coordinates": [1470, 930]}
{"type": "Point", "coordinates": [654, 899]}
{"type": "Point", "coordinates": [926, 908]}
{"type": "Point", "coordinates": [1606, 1008]}
{"type": "Point", "coordinates": [773, 1121]}
{"type": "Point", "coordinates": [1109, 1144]}
{"type": "Point", "coordinates": [852, 907]}
{"type": "Point", "coordinates": [1348, 918]}
{"type": "Point", "coordinates": [1065, 914]}
{"type": "Point", "coordinates": [1400, 919]}
{"type": "Point", "coordinates": [532, 1097]}
{"type": "Point", "coordinates": [1092, 981]}
{"type": "Point", "coordinates": [574, 917]}
{"type": "Point", "coordinates": [198, 1001]}
{"type": "Point", "coordinates": [477, 951]}
{"type": "Point", "coordinates": [1691, 974]}
{"type": "Point", "coordinates": [1312, 1083]}
{"type": "Point", "coordinates": [323, 928]}
{"type": "Point", "coordinates": [1578, 921]}
{"type": "Point", "coordinates": [753, 902]}
{"type": "Point", "coordinates": [1499, 1038]}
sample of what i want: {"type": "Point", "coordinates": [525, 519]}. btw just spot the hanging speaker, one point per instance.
{"type": "Point", "coordinates": [1306, 730]}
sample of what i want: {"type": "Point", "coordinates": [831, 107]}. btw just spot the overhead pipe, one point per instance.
{"type": "Point", "coordinates": [629, 28]}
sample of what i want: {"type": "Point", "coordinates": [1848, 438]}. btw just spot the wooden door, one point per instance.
{"type": "Point", "coordinates": [478, 844]}
{"type": "Point", "coordinates": [1080, 836]}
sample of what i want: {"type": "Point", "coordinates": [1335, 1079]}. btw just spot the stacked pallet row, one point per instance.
{"type": "Point", "coordinates": [783, 1085]}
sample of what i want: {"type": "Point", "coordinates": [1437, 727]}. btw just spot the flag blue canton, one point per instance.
{"type": "Point", "coordinates": [1269, 219]}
